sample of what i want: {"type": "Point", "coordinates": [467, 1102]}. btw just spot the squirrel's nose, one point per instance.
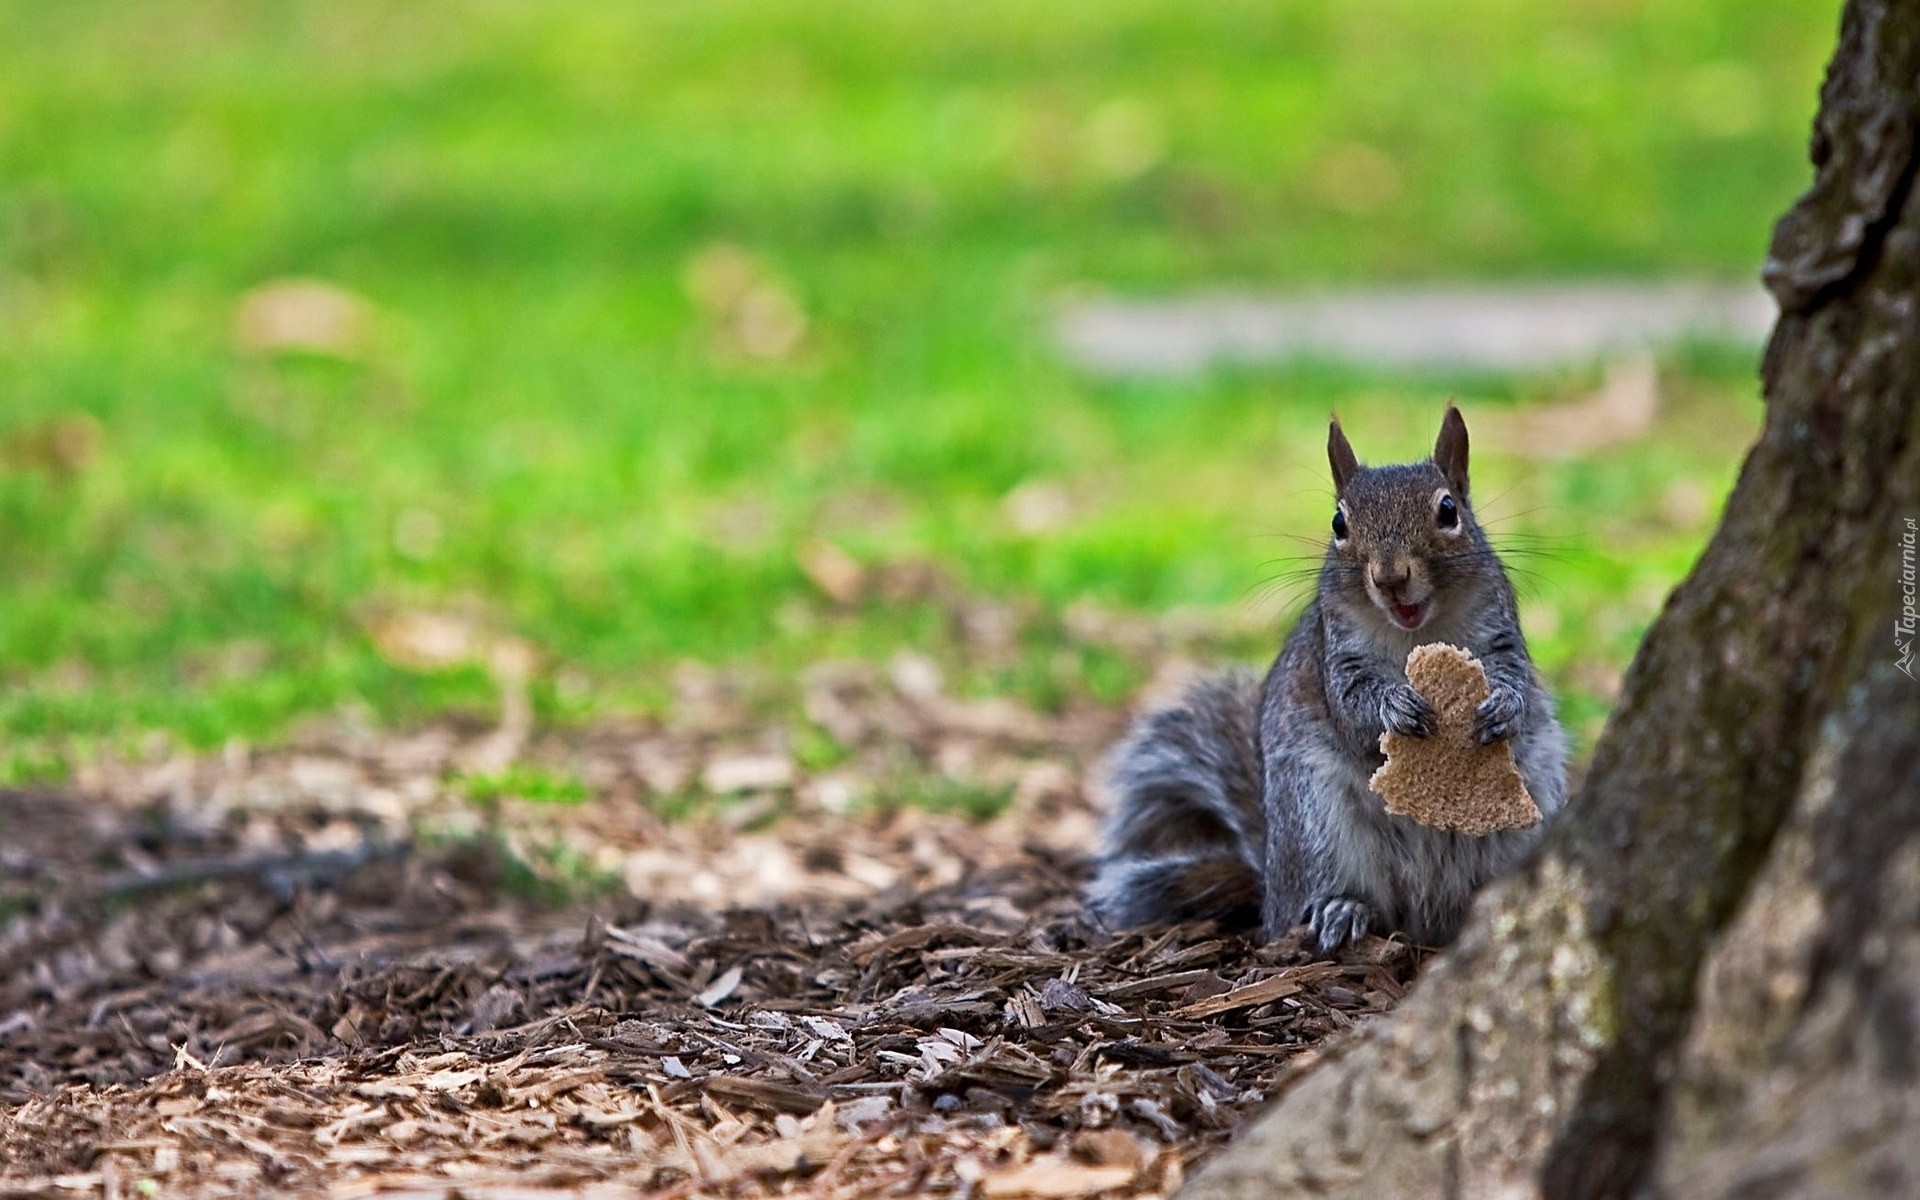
{"type": "Point", "coordinates": [1391, 581]}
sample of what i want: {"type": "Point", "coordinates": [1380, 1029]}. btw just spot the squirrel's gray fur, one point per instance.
{"type": "Point", "coordinates": [1249, 798]}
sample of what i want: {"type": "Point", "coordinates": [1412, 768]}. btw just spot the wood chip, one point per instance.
{"type": "Point", "coordinates": [1056, 1177]}
{"type": "Point", "coordinates": [720, 989]}
{"type": "Point", "coordinates": [415, 1029]}
{"type": "Point", "coordinates": [1250, 995]}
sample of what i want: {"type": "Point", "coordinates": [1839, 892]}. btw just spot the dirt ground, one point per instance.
{"type": "Point", "coordinates": [324, 970]}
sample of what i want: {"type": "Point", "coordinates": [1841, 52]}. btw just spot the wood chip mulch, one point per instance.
{"type": "Point", "coordinates": [233, 980]}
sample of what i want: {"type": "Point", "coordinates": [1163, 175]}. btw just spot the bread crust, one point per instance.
{"type": "Point", "coordinates": [1449, 780]}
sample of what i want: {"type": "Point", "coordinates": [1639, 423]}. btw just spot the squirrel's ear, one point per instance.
{"type": "Point", "coordinates": [1450, 451]}
{"type": "Point", "coordinates": [1340, 456]}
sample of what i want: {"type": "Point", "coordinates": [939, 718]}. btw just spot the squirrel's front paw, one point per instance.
{"type": "Point", "coordinates": [1403, 711]}
{"type": "Point", "coordinates": [1496, 717]}
{"type": "Point", "coordinates": [1336, 920]}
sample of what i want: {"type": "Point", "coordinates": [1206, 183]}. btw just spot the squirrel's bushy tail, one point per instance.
{"type": "Point", "coordinates": [1185, 831]}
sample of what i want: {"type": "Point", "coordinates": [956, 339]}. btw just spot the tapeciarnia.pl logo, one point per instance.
{"type": "Point", "coordinates": [1909, 618]}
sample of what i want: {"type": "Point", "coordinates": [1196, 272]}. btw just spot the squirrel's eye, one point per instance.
{"type": "Point", "coordinates": [1449, 513]}
{"type": "Point", "coordinates": [1340, 525]}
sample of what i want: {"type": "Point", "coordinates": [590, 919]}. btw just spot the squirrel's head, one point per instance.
{"type": "Point", "coordinates": [1404, 537]}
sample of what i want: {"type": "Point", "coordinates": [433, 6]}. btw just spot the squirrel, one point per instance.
{"type": "Point", "coordinates": [1248, 800]}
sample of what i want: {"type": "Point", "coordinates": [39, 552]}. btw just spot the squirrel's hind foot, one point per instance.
{"type": "Point", "coordinates": [1336, 920]}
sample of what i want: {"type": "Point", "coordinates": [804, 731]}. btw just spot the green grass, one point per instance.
{"type": "Point", "coordinates": [547, 426]}
{"type": "Point", "coordinates": [974, 801]}
{"type": "Point", "coordinates": [523, 783]}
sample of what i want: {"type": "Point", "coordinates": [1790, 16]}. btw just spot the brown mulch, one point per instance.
{"type": "Point", "coordinates": [268, 972]}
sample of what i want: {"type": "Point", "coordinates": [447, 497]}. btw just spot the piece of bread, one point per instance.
{"type": "Point", "coordinates": [1449, 780]}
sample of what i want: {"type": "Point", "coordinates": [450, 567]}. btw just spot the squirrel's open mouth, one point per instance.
{"type": "Point", "coordinates": [1409, 616]}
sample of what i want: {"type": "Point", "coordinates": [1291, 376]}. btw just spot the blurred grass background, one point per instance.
{"type": "Point", "coordinates": [623, 307]}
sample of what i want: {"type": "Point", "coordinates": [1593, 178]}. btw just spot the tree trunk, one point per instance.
{"type": "Point", "coordinates": [1709, 983]}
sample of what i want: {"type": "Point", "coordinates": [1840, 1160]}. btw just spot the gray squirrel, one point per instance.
{"type": "Point", "coordinates": [1248, 800]}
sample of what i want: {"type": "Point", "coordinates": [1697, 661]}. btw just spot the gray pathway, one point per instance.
{"type": "Point", "coordinates": [1493, 328]}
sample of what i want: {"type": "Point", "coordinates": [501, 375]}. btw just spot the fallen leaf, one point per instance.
{"type": "Point", "coordinates": [733, 773]}
{"type": "Point", "coordinates": [831, 569]}
{"type": "Point", "coordinates": [426, 641]}
{"type": "Point", "coordinates": [59, 448]}
{"type": "Point", "coordinates": [1622, 410]}
{"type": "Point", "coordinates": [304, 314]}
{"type": "Point", "coordinates": [750, 311]}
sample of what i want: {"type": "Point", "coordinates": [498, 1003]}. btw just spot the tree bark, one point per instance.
{"type": "Point", "coordinates": [1709, 982]}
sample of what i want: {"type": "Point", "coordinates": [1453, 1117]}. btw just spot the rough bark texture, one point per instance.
{"type": "Point", "coordinates": [1709, 985]}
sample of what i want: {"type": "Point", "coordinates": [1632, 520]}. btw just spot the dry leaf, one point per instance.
{"type": "Point", "coordinates": [59, 448]}
{"type": "Point", "coordinates": [832, 570]}
{"type": "Point", "coordinates": [427, 641]}
{"type": "Point", "coordinates": [750, 311]}
{"type": "Point", "coordinates": [1622, 410]}
{"type": "Point", "coordinates": [304, 314]}
{"type": "Point", "coordinates": [733, 773]}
